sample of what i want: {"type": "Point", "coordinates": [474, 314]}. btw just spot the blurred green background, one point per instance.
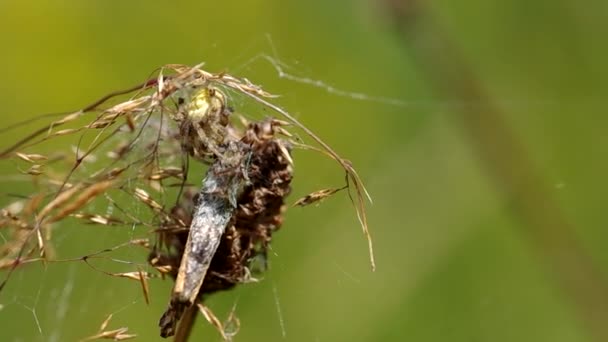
{"type": "Point", "coordinates": [488, 176]}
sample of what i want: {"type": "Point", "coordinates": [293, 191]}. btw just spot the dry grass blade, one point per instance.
{"type": "Point", "coordinates": [64, 132]}
{"type": "Point", "coordinates": [351, 173]}
{"type": "Point", "coordinates": [31, 158]}
{"type": "Point", "coordinates": [119, 334]}
{"type": "Point", "coordinates": [99, 219]}
{"type": "Point", "coordinates": [213, 320]}
{"type": "Point", "coordinates": [145, 198]}
{"type": "Point", "coordinates": [73, 116]}
{"type": "Point", "coordinates": [167, 173]}
{"type": "Point", "coordinates": [87, 195]}
{"type": "Point", "coordinates": [105, 323]}
{"type": "Point", "coordinates": [143, 279]}
{"type": "Point", "coordinates": [140, 276]}
{"type": "Point", "coordinates": [35, 170]}
{"type": "Point", "coordinates": [317, 196]}
{"type": "Point", "coordinates": [59, 201]}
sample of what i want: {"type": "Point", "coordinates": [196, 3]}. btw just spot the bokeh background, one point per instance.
{"type": "Point", "coordinates": [488, 174]}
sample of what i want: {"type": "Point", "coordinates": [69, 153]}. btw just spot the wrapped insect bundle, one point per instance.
{"type": "Point", "coordinates": [232, 219]}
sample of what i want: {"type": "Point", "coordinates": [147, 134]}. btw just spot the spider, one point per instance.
{"type": "Point", "coordinates": [203, 120]}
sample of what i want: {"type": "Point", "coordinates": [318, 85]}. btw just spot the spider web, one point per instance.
{"type": "Point", "coordinates": [98, 232]}
{"type": "Point", "coordinates": [99, 253]}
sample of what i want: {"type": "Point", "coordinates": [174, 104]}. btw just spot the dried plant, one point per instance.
{"type": "Point", "coordinates": [139, 149]}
